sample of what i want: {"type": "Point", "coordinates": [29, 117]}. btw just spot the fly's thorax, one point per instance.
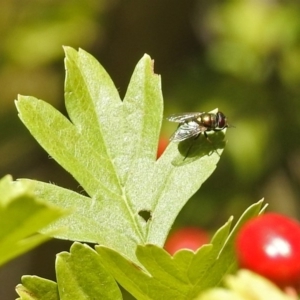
{"type": "Point", "coordinates": [208, 120]}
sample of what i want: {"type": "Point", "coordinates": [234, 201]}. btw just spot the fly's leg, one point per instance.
{"type": "Point", "coordinates": [197, 136]}
{"type": "Point", "coordinates": [206, 136]}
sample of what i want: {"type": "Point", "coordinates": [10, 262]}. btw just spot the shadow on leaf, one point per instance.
{"type": "Point", "coordinates": [196, 148]}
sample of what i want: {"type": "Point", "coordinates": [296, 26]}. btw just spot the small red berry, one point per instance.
{"type": "Point", "coordinates": [162, 145]}
{"type": "Point", "coordinates": [270, 246]}
{"type": "Point", "coordinates": [186, 238]}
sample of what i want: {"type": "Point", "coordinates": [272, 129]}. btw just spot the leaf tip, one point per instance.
{"type": "Point", "coordinates": [17, 101]}
{"type": "Point", "coordinates": [67, 49]}
{"type": "Point", "coordinates": [150, 62]}
{"type": "Point", "coordinates": [147, 57]}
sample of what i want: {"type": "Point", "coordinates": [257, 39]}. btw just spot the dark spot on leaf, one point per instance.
{"type": "Point", "coordinates": [145, 214]}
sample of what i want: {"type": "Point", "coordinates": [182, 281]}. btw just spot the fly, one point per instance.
{"type": "Point", "coordinates": [192, 124]}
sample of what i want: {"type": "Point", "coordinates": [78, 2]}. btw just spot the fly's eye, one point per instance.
{"type": "Point", "coordinates": [221, 120]}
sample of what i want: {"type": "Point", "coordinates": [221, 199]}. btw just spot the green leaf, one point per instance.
{"type": "Point", "coordinates": [245, 285]}
{"type": "Point", "coordinates": [80, 275]}
{"type": "Point", "coordinates": [110, 146]}
{"type": "Point", "coordinates": [21, 216]}
{"type": "Point", "coordinates": [37, 288]}
{"type": "Point", "coordinates": [183, 276]}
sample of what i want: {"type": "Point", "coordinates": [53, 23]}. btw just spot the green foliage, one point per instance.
{"type": "Point", "coordinates": [182, 276]}
{"type": "Point", "coordinates": [110, 146]}
{"type": "Point", "coordinates": [80, 275]}
{"type": "Point", "coordinates": [21, 216]}
{"type": "Point", "coordinates": [255, 42]}
{"type": "Point", "coordinates": [33, 288]}
{"type": "Point", "coordinates": [83, 274]}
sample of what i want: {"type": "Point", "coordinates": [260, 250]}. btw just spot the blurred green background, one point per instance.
{"type": "Point", "coordinates": [240, 56]}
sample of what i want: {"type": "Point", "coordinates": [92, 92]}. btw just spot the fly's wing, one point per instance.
{"type": "Point", "coordinates": [184, 117]}
{"type": "Point", "coordinates": [186, 131]}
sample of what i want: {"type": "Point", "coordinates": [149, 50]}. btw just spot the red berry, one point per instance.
{"type": "Point", "coordinates": [162, 145]}
{"type": "Point", "coordinates": [186, 238]}
{"type": "Point", "coordinates": [270, 245]}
